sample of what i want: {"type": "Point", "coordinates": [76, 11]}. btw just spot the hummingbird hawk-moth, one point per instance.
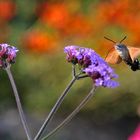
{"type": "Point", "coordinates": [120, 52]}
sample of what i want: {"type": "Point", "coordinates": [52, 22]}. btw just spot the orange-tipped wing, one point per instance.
{"type": "Point", "coordinates": [134, 52]}
{"type": "Point", "coordinates": [113, 57]}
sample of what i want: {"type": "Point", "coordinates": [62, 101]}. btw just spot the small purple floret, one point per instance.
{"type": "Point", "coordinates": [93, 65]}
{"type": "Point", "coordinates": [7, 55]}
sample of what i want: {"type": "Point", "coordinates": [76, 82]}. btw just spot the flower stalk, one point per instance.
{"type": "Point", "coordinates": [18, 102]}
{"type": "Point", "coordinates": [55, 108]}
{"type": "Point", "coordinates": [71, 116]}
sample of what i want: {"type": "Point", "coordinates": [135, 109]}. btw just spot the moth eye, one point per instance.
{"type": "Point", "coordinates": [119, 46]}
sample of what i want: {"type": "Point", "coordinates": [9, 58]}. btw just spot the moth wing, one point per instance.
{"type": "Point", "coordinates": [113, 57]}
{"type": "Point", "coordinates": [134, 52]}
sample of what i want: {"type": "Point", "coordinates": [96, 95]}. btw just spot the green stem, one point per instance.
{"type": "Point", "coordinates": [73, 71]}
{"type": "Point", "coordinates": [70, 117]}
{"type": "Point", "coordinates": [19, 106]}
{"type": "Point", "coordinates": [55, 108]}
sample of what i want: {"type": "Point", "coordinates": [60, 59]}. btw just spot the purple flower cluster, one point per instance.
{"type": "Point", "coordinates": [93, 65]}
{"type": "Point", "coordinates": [7, 55]}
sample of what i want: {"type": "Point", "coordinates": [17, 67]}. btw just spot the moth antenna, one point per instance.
{"type": "Point", "coordinates": [109, 39]}
{"type": "Point", "coordinates": [123, 39]}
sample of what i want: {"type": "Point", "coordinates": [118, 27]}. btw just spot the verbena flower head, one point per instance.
{"type": "Point", "coordinates": [7, 55]}
{"type": "Point", "coordinates": [92, 64]}
{"type": "Point", "coordinates": [78, 55]}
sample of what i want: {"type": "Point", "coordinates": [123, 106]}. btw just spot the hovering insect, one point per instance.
{"type": "Point", "coordinates": [120, 52]}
